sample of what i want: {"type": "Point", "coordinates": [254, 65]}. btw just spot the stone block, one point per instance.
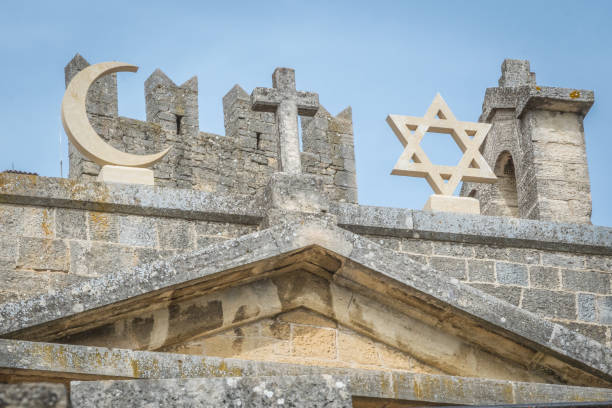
{"type": "Point", "coordinates": [600, 263]}
{"type": "Point", "coordinates": [33, 395]}
{"type": "Point", "coordinates": [38, 222]}
{"type": "Point", "coordinates": [586, 281]}
{"type": "Point", "coordinates": [388, 242]}
{"type": "Point", "coordinates": [524, 255]}
{"type": "Point", "coordinates": [604, 305]}
{"type": "Point", "coordinates": [126, 175]}
{"type": "Point", "coordinates": [455, 249]}
{"type": "Point", "coordinates": [587, 311]}
{"type": "Point", "coordinates": [307, 317]}
{"type": "Point", "coordinates": [491, 252]}
{"type": "Point", "coordinates": [89, 258]}
{"type": "Point", "coordinates": [373, 220]}
{"type": "Point", "coordinates": [176, 234]}
{"type": "Point", "coordinates": [544, 277]}
{"type": "Point", "coordinates": [314, 342]}
{"type": "Point", "coordinates": [254, 347]}
{"type": "Point", "coordinates": [417, 246]}
{"type": "Point", "coordinates": [9, 247]}
{"type": "Point", "coordinates": [452, 204]}
{"type": "Point", "coordinates": [137, 231]}
{"type": "Point", "coordinates": [511, 273]}
{"type": "Point", "coordinates": [276, 329]}
{"type": "Point", "coordinates": [204, 241]}
{"type": "Point", "coordinates": [593, 331]}
{"type": "Point", "coordinates": [509, 294]}
{"type": "Point", "coordinates": [284, 391]}
{"type": "Point", "coordinates": [148, 255]}
{"type": "Point", "coordinates": [103, 226]}
{"type": "Point", "coordinates": [453, 267]}
{"type": "Point", "coordinates": [11, 219]}
{"type": "Point", "coordinates": [296, 193]}
{"type": "Point", "coordinates": [24, 284]}
{"type": "Point", "coordinates": [223, 229]}
{"type": "Point", "coordinates": [71, 224]}
{"type": "Point", "coordinates": [481, 271]}
{"type": "Point", "coordinates": [43, 254]}
{"type": "Point", "coordinates": [563, 260]}
{"type": "Point", "coordinates": [550, 303]}
{"type": "Point", "coordinates": [355, 348]}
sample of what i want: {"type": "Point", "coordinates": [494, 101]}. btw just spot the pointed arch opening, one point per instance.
{"type": "Point", "coordinates": [507, 195]}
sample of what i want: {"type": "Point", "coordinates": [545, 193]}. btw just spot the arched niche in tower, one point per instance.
{"type": "Point", "coordinates": [506, 195]}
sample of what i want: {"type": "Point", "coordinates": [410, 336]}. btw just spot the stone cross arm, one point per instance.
{"type": "Point", "coordinates": [268, 99]}
{"type": "Point", "coordinates": [288, 104]}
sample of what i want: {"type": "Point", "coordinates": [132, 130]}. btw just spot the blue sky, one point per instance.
{"type": "Point", "coordinates": [379, 57]}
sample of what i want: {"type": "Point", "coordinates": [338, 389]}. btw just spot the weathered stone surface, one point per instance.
{"type": "Point", "coordinates": [586, 281]}
{"type": "Point", "coordinates": [303, 391]}
{"type": "Point", "coordinates": [43, 254]}
{"type": "Point", "coordinates": [71, 224]}
{"type": "Point", "coordinates": [137, 231]}
{"type": "Point", "coordinates": [481, 271]}
{"type": "Point", "coordinates": [270, 243]}
{"type": "Point", "coordinates": [604, 305]}
{"type": "Point", "coordinates": [511, 274]}
{"type": "Point", "coordinates": [550, 303]}
{"type": "Point", "coordinates": [398, 384]}
{"type": "Point", "coordinates": [452, 267]}
{"type": "Point", "coordinates": [587, 311]}
{"type": "Point", "coordinates": [131, 199]}
{"type": "Point", "coordinates": [544, 277]}
{"type": "Point", "coordinates": [36, 395]}
{"type": "Point", "coordinates": [510, 294]}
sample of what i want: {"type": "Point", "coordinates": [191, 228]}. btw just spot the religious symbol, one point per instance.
{"type": "Point", "coordinates": [117, 165]}
{"type": "Point", "coordinates": [288, 104]}
{"type": "Point", "coordinates": [442, 179]}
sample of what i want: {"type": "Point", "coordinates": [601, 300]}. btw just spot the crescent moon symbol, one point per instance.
{"type": "Point", "coordinates": [79, 130]}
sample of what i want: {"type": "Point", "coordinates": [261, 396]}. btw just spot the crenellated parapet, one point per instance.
{"type": "Point", "coordinates": [328, 151]}
{"type": "Point", "coordinates": [240, 162]}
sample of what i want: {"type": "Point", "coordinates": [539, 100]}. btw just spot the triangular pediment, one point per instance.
{"type": "Point", "coordinates": [376, 295]}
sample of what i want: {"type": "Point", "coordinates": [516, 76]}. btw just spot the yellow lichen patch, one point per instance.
{"type": "Point", "coordinates": [574, 94]}
{"type": "Point", "coordinates": [99, 219]}
{"type": "Point", "coordinates": [46, 224]}
{"type": "Point", "coordinates": [135, 369]}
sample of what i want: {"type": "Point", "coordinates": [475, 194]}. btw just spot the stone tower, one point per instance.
{"type": "Point", "coordinates": [536, 148]}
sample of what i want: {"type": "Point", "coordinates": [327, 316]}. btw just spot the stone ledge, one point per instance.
{"type": "Point", "coordinates": [62, 361]}
{"type": "Point", "coordinates": [198, 205]}
{"type": "Point", "coordinates": [33, 395]}
{"type": "Point", "coordinates": [308, 391]}
{"type": "Point", "coordinates": [128, 199]}
{"type": "Point", "coordinates": [536, 97]}
{"type": "Point", "coordinates": [477, 229]}
{"type": "Point", "coordinates": [555, 99]}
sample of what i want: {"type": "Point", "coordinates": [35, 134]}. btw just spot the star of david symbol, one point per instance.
{"type": "Point", "coordinates": [440, 119]}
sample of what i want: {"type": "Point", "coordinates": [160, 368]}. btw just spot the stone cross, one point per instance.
{"type": "Point", "coordinates": [287, 103]}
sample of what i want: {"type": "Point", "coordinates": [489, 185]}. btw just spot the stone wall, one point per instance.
{"type": "Point", "coordinates": [44, 248]}
{"type": "Point", "coordinates": [240, 162]}
{"type": "Point", "coordinates": [303, 337]}
{"type": "Point", "coordinates": [54, 232]}
{"type": "Point", "coordinates": [573, 289]}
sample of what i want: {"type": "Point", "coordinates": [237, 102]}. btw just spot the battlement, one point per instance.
{"type": "Point", "coordinates": [241, 161]}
